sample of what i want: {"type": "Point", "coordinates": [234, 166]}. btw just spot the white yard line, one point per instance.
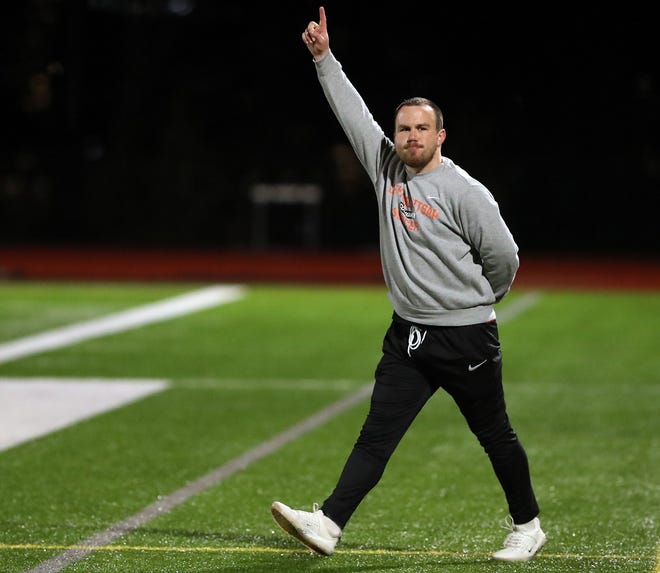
{"type": "Point", "coordinates": [517, 306]}
{"type": "Point", "coordinates": [33, 407]}
{"type": "Point", "coordinates": [126, 320]}
{"type": "Point", "coordinates": [169, 502]}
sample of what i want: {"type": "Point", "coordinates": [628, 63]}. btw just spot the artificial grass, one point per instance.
{"type": "Point", "coordinates": [582, 388]}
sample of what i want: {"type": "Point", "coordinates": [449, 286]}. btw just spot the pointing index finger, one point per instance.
{"type": "Point", "coordinates": [322, 19]}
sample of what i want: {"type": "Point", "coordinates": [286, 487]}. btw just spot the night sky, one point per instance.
{"type": "Point", "coordinates": [148, 122]}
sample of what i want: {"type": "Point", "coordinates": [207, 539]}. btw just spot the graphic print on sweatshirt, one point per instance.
{"type": "Point", "coordinates": [407, 209]}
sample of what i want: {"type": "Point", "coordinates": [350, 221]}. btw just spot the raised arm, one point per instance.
{"type": "Point", "coordinates": [364, 134]}
{"type": "Point", "coordinates": [316, 36]}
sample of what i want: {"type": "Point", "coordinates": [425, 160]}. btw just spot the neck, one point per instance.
{"type": "Point", "coordinates": [437, 160]}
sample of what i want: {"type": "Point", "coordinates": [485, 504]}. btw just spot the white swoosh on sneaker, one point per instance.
{"type": "Point", "coordinates": [471, 368]}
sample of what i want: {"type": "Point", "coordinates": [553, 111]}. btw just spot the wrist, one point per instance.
{"type": "Point", "coordinates": [318, 57]}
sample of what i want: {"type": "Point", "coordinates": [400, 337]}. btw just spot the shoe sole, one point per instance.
{"type": "Point", "coordinates": [287, 526]}
{"type": "Point", "coordinates": [525, 559]}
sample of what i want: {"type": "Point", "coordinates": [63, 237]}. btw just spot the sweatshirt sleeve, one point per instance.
{"type": "Point", "coordinates": [491, 238]}
{"type": "Point", "coordinates": [364, 134]}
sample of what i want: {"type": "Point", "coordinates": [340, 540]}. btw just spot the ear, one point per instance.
{"type": "Point", "coordinates": [442, 135]}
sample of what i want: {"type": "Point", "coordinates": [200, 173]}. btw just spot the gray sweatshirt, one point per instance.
{"type": "Point", "coordinates": [446, 253]}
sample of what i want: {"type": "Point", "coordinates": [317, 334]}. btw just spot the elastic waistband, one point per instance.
{"type": "Point", "coordinates": [400, 320]}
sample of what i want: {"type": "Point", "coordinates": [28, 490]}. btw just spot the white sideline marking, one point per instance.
{"type": "Point", "coordinates": [517, 306]}
{"type": "Point", "coordinates": [132, 318]}
{"type": "Point", "coordinates": [33, 407]}
{"type": "Point", "coordinates": [165, 504]}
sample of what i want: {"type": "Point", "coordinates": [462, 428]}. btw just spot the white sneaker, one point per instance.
{"type": "Point", "coordinates": [313, 529]}
{"type": "Point", "coordinates": [523, 542]}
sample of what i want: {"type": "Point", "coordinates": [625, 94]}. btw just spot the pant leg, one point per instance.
{"type": "Point", "coordinates": [400, 391]}
{"type": "Point", "coordinates": [477, 389]}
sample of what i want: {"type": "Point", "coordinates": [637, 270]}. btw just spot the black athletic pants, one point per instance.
{"type": "Point", "coordinates": [466, 361]}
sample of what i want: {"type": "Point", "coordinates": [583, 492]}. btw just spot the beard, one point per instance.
{"type": "Point", "coordinates": [418, 158]}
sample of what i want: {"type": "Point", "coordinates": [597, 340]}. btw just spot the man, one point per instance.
{"type": "Point", "coordinates": [448, 258]}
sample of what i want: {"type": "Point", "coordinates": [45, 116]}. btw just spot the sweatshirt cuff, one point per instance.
{"type": "Point", "coordinates": [326, 64]}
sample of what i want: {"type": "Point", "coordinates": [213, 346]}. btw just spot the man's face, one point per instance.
{"type": "Point", "coordinates": [416, 137]}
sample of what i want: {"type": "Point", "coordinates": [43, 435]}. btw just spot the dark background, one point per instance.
{"type": "Point", "coordinates": [147, 122]}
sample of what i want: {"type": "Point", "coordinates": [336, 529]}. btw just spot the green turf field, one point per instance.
{"type": "Point", "coordinates": [582, 372]}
